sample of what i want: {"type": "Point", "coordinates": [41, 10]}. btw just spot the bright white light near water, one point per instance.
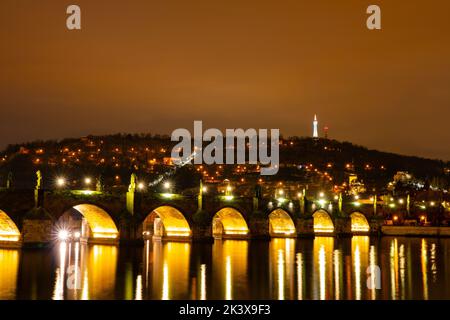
{"type": "Point", "coordinates": [63, 235]}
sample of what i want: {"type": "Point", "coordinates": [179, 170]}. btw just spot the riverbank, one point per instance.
{"type": "Point", "coordinates": [415, 231]}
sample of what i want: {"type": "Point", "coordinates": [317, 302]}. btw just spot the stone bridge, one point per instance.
{"type": "Point", "coordinates": [37, 217]}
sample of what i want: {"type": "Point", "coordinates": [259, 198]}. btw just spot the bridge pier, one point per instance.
{"type": "Point", "coordinates": [305, 227]}
{"type": "Point", "coordinates": [37, 228]}
{"type": "Point", "coordinates": [343, 226]}
{"type": "Point", "coordinates": [259, 228]}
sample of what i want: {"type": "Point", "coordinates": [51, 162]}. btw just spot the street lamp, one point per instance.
{"type": "Point", "coordinates": [60, 182]}
{"type": "Point", "coordinates": [87, 181]}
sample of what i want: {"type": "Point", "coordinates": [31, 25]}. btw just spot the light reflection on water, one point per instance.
{"type": "Point", "coordinates": [320, 268]}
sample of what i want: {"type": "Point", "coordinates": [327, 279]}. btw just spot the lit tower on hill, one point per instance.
{"type": "Point", "coordinates": [315, 125]}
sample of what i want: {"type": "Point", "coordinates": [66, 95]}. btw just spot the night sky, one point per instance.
{"type": "Point", "coordinates": [154, 66]}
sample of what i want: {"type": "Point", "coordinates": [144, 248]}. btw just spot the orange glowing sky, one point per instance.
{"type": "Point", "coordinates": [154, 66]}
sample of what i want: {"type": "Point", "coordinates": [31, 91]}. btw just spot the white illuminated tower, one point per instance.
{"type": "Point", "coordinates": [315, 125]}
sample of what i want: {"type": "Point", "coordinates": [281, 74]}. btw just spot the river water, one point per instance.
{"type": "Point", "coordinates": [320, 268]}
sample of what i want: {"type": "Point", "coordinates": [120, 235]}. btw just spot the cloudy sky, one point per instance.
{"type": "Point", "coordinates": [157, 65]}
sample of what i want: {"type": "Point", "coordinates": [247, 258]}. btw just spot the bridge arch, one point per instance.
{"type": "Point", "coordinates": [9, 233]}
{"type": "Point", "coordinates": [323, 222]}
{"type": "Point", "coordinates": [228, 223]}
{"type": "Point", "coordinates": [166, 222]}
{"type": "Point", "coordinates": [359, 223]}
{"type": "Point", "coordinates": [89, 223]}
{"type": "Point", "coordinates": [281, 224]}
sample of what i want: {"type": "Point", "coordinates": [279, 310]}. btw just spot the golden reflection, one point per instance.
{"type": "Point", "coordinates": [300, 276]}
{"type": "Point", "coordinates": [359, 223]}
{"type": "Point", "coordinates": [281, 224]}
{"type": "Point", "coordinates": [280, 269]}
{"type": "Point", "coordinates": [8, 229]}
{"type": "Point", "coordinates": [424, 267]}
{"type": "Point", "coordinates": [394, 269]}
{"type": "Point", "coordinates": [375, 281]}
{"type": "Point", "coordinates": [85, 272]}
{"type": "Point", "coordinates": [138, 293]}
{"type": "Point", "coordinates": [402, 270]}
{"type": "Point", "coordinates": [229, 273]}
{"type": "Point", "coordinates": [170, 269]}
{"type": "Point", "coordinates": [337, 257]}
{"type": "Point", "coordinates": [228, 279]}
{"type": "Point", "coordinates": [102, 266]}
{"type": "Point", "coordinates": [229, 221]}
{"type": "Point", "coordinates": [360, 250]}
{"type": "Point", "coordinates": [58, 293]}
{"type": "Point", "coordinates": [323, 258]}
{"type": "Point", "coordinates": [203, 282]}
{"type": "Point", "coordinates": [9, 264]}
{"type": "Point", "coordinates": [282, 255]}
{"type": "Point", "coordinates": [322, 222]}
{"type": "Point", "coordinates": [433, 262]}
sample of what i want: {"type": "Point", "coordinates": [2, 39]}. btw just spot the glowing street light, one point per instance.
{"type": "Point", "coordinates": [321, 194]}
{"type": "Point", "coordinates": [63, 235]}
{"type": "Point", "coordinates": [60, 182]}
{"type": "Point", "coordinates": [87, 181]}
{"type": "Point", "coordinates": [167, 185]}
{"type": "Point", "coordinates": [141, 186]}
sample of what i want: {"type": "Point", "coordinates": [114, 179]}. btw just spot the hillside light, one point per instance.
{"type": "Point", "coordinates": [204, 189]}
{"type": "Point", "coordinates": [141, 186]}
{"type": "Point", "coordinates": [336, 197]}
{"type": "Point", "coordinates": [87, 181]}
{"type": "Point", "coordinates": [356, 197]}
{"type": "Point", "coordinates": [321, 194]}
{"type": "Point", "coordinates": [432, 203]}
{"type": "Point", "coordinates": [401, 201]}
